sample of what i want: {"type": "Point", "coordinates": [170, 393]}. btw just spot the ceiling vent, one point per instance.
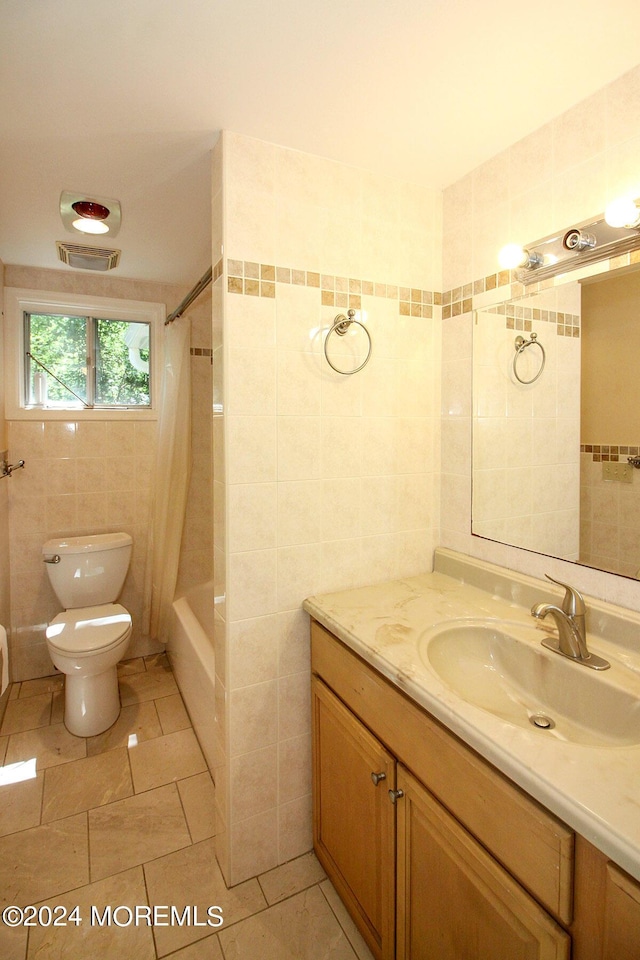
{"type": "Point", "coordinates": [87, 258]}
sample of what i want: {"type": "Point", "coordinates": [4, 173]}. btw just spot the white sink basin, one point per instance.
{"type": "Point", "coordinates": [501, 667]}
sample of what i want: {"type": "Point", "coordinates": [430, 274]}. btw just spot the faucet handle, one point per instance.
{"type": "Point", "coordinates": [573, 604]}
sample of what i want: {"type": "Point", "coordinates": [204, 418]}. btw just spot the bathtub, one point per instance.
{"type": "Point", "coordinates": [192, 657]}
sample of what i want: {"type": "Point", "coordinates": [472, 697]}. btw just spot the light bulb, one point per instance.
{"type": "Point", "coordinates": [511, 256]}
{"type": "Point", "coordinates": [90, 226]}
{"type": "Point", "coordinates": [622, 212]}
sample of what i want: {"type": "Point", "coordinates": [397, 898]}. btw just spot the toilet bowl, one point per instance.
{"type": "Point", "coordinates": [87, 640]}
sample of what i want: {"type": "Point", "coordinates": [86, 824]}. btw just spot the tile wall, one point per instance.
{"type": "Point", "coordinates": [80, 477]}
{"type": "Point", "coordinates": [561, 174]}
{"type": "Point", "coordinates": [330, 481]}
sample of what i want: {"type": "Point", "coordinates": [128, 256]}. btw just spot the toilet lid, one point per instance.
{"type": "Point", "coordinates": [89, 629]}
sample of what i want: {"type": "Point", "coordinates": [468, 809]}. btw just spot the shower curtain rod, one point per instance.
{"type": "Point", "coordinates": [200, 286]}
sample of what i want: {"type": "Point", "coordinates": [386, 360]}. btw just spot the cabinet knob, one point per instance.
{"type": "Point", "coordinates": [377, 777]}
{"type": "Point", "coordinates": [395, 795]}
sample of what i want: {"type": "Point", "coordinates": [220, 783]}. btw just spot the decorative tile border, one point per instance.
{"type": "Point", "coordinates": [260, 279]}
{"type": "Point", "coordinates": [600, 452]}
{"type": "Point", "coordinates": [522, 318]}
{"type": "Point", "coordinates": [460, 299]}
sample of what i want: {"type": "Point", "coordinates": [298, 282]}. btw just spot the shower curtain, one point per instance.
{"type": "Point", "coordinates": [173, 465]}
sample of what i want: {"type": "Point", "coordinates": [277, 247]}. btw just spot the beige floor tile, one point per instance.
{"type": "Point", "coordinates": [32, 688]}
{"type": "Point", "coordinates": [290, 878]}
{"type": "Point", "coordinates": [353, 934]}
{"type": "Point", "coordinates": [3, 747]}
{"type": "Point", "coordinates": [27, 714]}
{"type": "Point", "coordinates": [138, 720]}
{"type": "Point", "coordinates": [143, 827]}
{"type": "Point", "coordinates": [13, 943]}
{"type": "Point", "coordinates": [20, 805]}
{"type": "Point", "coordinates": [198, 799]}
{"type": "Point", "coordinates": [57, 706]}
{"type": "Point", "coordinates": [49, 745]}
{"type": "Point", "coordinates": [87, 783]}
{"type": "Point", "coordinates": [91, 940]}
{"type": "Point", "coordinates": [14, 691]}
{"type": "Point", "coordinates": [207, 949]}
{"type": "Point", "coordinates": [45, 861]}
{"type": "Point", "coordinates": [172, 713]}
{"type": "Point", "coordinates": [165, 759]}
{"type": "Point", "coordinates": [192, 876]}
{"type": "Point", "coordinates": [150, 685]}
{"type": "Point", "coordinates": [301, 928]}
{"type": "Point", "coordinates": [127, 667]}
{"type": "Point", "coordinates": [159, 660]}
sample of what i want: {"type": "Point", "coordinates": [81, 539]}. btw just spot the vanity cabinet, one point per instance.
{"type": "Point", "coordinates": [464, 864]}
{"type": "Point", "coordinates": [354, 823]}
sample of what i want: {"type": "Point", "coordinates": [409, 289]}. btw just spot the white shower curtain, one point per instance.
{"type": "Point", "coordinates": [173, 465]}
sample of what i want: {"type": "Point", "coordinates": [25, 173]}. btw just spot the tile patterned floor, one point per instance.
{"type": "Point", "coordinates": [126, 819]}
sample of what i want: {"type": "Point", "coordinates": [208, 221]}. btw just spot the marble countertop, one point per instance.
{"type": "Point", "coordinates": [593, 789]}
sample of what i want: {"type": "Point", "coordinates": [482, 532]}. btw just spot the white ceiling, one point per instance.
{"type": "Point", "coordinates": [125, 99]}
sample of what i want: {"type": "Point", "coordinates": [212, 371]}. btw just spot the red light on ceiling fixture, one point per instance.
{"type": "Point", "coordinates": [89, 210]}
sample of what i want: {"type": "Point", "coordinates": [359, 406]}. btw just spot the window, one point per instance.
{"type": "Point", "coordinates": [89, 361]}
{"type": "Point", "coordinates": [97, 357]}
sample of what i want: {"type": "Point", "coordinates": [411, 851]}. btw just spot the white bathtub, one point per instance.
{"type": "Point", "coordinates": [192, 656]}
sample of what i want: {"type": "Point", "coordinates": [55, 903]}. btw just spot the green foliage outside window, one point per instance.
{"type": "Point", "coordinates": [103, 362]}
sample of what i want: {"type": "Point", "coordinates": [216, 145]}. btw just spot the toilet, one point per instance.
{"type": "Point", "coordinates": [87, 640]}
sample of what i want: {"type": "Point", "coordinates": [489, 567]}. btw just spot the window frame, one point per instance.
{"type": "Point", "coordinates": [19, 301]}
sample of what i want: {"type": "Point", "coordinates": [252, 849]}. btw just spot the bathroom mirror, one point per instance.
{"type": "Point", "coordinates": [556, 415]}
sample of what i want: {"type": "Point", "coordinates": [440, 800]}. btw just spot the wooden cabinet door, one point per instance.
{"type": "Point", "coordinates": [621, 915]}
{"type": "Point", "coordinates": [455, 902]}
{"type": "Point", "coordinates": [354, 820]}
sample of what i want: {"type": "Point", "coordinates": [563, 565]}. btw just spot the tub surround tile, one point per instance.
{"type": "Point", "coordinates": [192, 876]}
{"type": "Point", "coordinates": [132, 831]}
{"type": "Point", "coordinates": [165, 759]}
{"type": "Point", "coordinates": [92, 940]}
{"type": "Point", "coordinates": [198, 801]}
{"type": "Point", "coordinates": [87, 783]}
{"type": "Point", "coordinates": [44, 861]}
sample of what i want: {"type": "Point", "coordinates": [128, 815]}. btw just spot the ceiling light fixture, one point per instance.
{"type": "Point", "coordinates": [89, 215]}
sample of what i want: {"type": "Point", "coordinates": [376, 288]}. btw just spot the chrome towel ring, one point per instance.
{"type": "Point", "coordinates": [340, 326]}
{"type": "Point", "coordinates": [520, 346]}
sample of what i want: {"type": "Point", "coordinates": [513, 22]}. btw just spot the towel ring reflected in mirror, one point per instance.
{"type": "Point", "coordinates": [520, 346]}
{"type": "Point", "coordinates": [340, 327]}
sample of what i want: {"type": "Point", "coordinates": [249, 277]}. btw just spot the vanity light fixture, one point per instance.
{"type": "Point", "coordinates": [622, 212]}
{"type": "Point", "coordinates": [609, 235]}
{"type": "Point", "coordinates": [89, 215]}
{"type": "Point", "coordinates": [513, 255]}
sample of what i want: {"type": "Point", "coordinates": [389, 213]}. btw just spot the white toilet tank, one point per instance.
{"type": "Point", "coordinates": [90, 570]}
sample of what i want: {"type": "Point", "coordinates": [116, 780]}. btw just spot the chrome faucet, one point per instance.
{"type": "Point", "coordinates": [571, 641]}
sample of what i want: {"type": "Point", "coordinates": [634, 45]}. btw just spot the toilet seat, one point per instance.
{"type": "Point", "coordinates": [89, 630]}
